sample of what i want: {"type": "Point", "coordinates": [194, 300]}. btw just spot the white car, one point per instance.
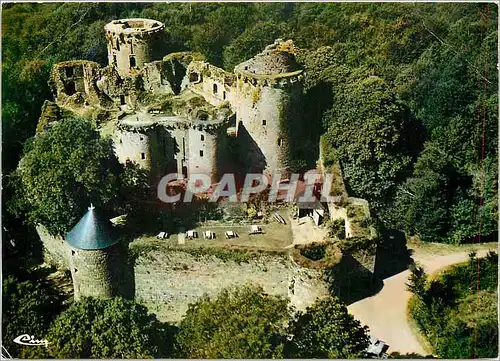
{"type": "Point", "coordinates": [230, 234]}
{"type": "Point", "coordinates": [192, 234]}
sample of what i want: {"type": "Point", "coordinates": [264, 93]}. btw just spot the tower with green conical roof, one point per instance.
{"type": "Point", "coordinates": [94, 257]}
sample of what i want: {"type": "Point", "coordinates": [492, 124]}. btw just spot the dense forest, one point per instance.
{"type": "Point", "coordinates": [457, 311]}
{"type": "Point", "coordinates": [404, 96]}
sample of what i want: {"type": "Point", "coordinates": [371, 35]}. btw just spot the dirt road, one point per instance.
{"type": "Point", "coordinates": [385, 312]}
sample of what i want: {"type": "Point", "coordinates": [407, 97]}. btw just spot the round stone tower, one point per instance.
{"type": "Point", "coordinates": [131, 43]}
{"type": "Point", "coordinates": [94, 257]}
{"type": "Point", "coordinates": [269, 90]}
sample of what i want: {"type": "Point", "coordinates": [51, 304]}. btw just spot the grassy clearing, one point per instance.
{"type": "Point", "coordinates": [275, 237]}
{"type": "Point", "coordinates": [441, 249]}
{"type": "Point", "coordinates": [144, 246]}
{"type": "Point", "coordinates": [245, 247]}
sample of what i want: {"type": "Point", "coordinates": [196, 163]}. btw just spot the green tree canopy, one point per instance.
{"type": "Point", "coordinates": [116, 328]}
{"type": "Point", "coordinates": [327, 330]}
{"type": "Point", "coordinates": [253, 40]}
{"type": "Point", "coordinates": [64, 170]}
{"type": "Point", "coordinates": [239, 323]}
{"type": "Point", "coordinates": [458, 310]}
{"type": "Point", "coordinates": [27, 308]}
{"type": "Point", "coordinates": [367, 126]}
{"type": "Point", "coordinates": [220, 27]}
{"type": "Point", "coordinates": [417, 280]}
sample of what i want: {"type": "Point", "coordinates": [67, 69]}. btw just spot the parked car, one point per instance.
{"type": "Point", "coordinates": [192, 234]}
{"type": "Point", "coordinates": [377, 348]}
{"type": "Point", "coordinates": [230, 234]}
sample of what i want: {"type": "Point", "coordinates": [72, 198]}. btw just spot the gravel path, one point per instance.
{"type": "Point", "coordinates": [305, 231]}
{"type": "Point", "coordinates": [385, 312]}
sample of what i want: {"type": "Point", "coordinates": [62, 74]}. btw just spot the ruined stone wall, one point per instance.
{"type": "Point", "coordinates": [55, 249]}
{"type": "Point", "coordinates": [161, 156]}
{"type": "Point", "coordinates": [96, 273]}
{"type": "Point", "coordinates": [339, 212]}
{"type": "Point", "coordinates": [168, 280]}
{"type": "Point", "coordinates": [134, 146]}
{"type": "Point", "coordinates": [121, 92]}
{"type": "Point", "coordinates": [194, 148]}
{"type": "Point", "coordinates": [149, 148]}
{"type": "Point", "coordinates": [367, 257]}
{"type": "Point", "coordinates": [171, 280]}
{"type": "Point", "coordinates": [180, 145]}
{"type": "Point", "coordinates": [73, 83]}
{"type": "Point", "coordinates": [155, 77]}
{"type": "Point", "coordinates": [224, 162]}
{"type": "Point", "coordinates": [213, 83]}
{"type": "Point", "coordinates": [306, 286]}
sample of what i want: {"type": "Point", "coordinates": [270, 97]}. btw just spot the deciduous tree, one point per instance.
{"type": "Point", "coordinates": [238, 323]}
{"type": "Point", "coordinates": [116, 328]}
{"type": "Point", "coordinates": [64, 170]}
{"type": "Point", "coordinates": [327, 330]}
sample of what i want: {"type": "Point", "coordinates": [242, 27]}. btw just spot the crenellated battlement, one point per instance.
{"type": "Point", "coordinates": [274, 80]}
{"type": "Point", "coordinates": [131, 43]}
{"type": "Point", "coordinates": [133, 27]}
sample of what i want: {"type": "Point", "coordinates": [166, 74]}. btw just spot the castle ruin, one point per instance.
{"type": "Point", "coordinates": [177, 113]}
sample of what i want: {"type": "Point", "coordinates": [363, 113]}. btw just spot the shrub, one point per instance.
{"type": "Point", "coordinates": [327, 330]}
{"type": "Point", "coordinates": [336, 228]}
{"type": "Point", "coordinates": [314, 251]}
{"type": "Point", "coordinates": [116, 328]}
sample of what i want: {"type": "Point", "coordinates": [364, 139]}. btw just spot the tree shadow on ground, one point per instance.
{"type": "Point", "coordinates": [393, 255]}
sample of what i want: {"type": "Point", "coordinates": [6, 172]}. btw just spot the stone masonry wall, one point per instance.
{"type": "Point", "coordinates": [155, 78]}
{"type": "Point", "coordinates": [133, 146]}
{"type": "Point", "coordinates": [131, 38]}
{"type": "Point", "coordinates": [174, 279]}
{"type": "Point", "coordinates": [55, 248]}
{"type": "Point", "coordinates": [267, 121]}
{"type": "Point", "coordinates": [202, 152]}
{"type": "Point", "coordinates": [167, 281]}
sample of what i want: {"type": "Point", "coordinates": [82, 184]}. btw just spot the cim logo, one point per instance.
{"type": "Point", "coordinates": [28, 340]}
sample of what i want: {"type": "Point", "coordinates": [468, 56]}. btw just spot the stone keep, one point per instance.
{"type": "Point", "coordinates": [94, 257]}
{"type": "Point", "coordinates": [268, 86]}
{"type": "Point", "coordinates": [131, 43]}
